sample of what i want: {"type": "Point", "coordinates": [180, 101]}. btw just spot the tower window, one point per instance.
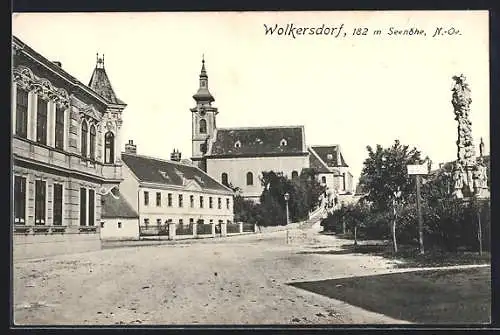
{"type": "Point", "coordinates": [249, 178]}
{"type": "Point", "coordinates": [109, 148]}
{"type": "Point", "coordinates": [224, 179]}
{"type": "Point", "coordinates": [203, 126]}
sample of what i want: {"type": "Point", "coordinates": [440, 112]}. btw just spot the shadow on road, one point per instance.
{"type": "Point", "coordinates": [435, 296]}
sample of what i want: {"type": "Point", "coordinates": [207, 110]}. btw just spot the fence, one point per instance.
{"type": "Point", "coordinates": [153, 230]}
{"type": "Point", "coordinates": [233, 228]}
{"type": "Point", "coordinates": [181, 229]}
{"type": "Point", "coordinates": [203, 229]}
{"type": "Point", "coordinates": [248, 227]}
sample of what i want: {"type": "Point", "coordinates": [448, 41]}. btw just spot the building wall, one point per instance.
{"type": "Point", "coordinates": [119, 228]}
{"type": "Point", "coordinates": [66, 165]}
{"type": "Point", "coordinates": [237, 169]}
{"type": "Point", "coordinates": [129, 188]}
{"type": "Point", "coordinates": [164, 212]}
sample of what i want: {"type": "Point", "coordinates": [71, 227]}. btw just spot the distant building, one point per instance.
{"type": "Point", "coordinates": [238, 156]}
{"type": "Point", "coordinates": [165, 191]}
{"type": "Point", "coordinates": [64, 135]}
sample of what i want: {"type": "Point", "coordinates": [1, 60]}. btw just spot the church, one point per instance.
{"type": "Point", "coordinates": [237, 156]}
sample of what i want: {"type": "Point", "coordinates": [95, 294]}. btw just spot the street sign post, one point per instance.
{"type": "Point", "coordinates": [418, 170]}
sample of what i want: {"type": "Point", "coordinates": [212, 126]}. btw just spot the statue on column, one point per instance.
{"type": "Point", "coordinates": [466, 161]}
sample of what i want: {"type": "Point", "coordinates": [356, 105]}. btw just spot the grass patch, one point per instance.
{"type": "Point", "coordinates": [435, 296]}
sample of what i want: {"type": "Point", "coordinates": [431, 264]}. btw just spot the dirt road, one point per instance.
{"type": "Point", "coordinates": [237, 280]}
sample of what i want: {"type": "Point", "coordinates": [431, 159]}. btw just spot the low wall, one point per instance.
{"type": "Point", "coordinates": [273, 229]}
{"type": "Point", "coordinates": [41, 245]}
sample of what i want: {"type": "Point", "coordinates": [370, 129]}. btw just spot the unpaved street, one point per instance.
{"type": "Point", "coordinates": [236, 280]}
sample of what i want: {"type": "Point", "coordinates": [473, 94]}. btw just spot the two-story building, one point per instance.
{"type": "Point", "coordinates": [168, 191]}
{"type": "Point", "coordinates": [64, 135]}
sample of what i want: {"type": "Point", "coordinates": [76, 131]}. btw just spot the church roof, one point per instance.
{"type": "Point", "coordinates": [116, 208]}
{"type": "Point", "coordinates": [170, 173]}
{"type": "Point", "coordinates": [258, 141]}
{"type": "Point", "coordinates": [317, 164]}
{"type": "Point", "coordinates": [328, 154]}
{"type": "Point", "coordinates": [100, 83]}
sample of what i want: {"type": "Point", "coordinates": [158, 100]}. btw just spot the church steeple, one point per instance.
{"type": "Point", "coordinates": [99, 82]}
{"type": "Point", "coordinates": [203, 95]}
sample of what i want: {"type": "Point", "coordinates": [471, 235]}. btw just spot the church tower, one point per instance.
{"type": "Point", "coordinates": [203, 119]}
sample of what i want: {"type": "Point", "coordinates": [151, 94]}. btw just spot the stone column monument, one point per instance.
{"type": "Point", "coordinates": [468, 175]}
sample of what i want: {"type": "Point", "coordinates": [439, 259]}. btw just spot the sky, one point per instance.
{"type": "Point", "coordinates": [349, 90]}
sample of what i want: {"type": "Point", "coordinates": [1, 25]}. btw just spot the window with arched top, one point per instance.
{"type": "Point", "coordinates": [249, 178]}
{"type": "Point", "coordinates": [295, 175]}
{"type": "Point", "coordinates": [92, 142]}
{"type": "Point", "coordinates": [283, 143]}
{"type": "Point", "coordinates": [203, 126]}
{"type": "Point", "coordinates": [109, 148]}
{"type": "Point", "coordinates": [83, 139]}
{"type": "Point", "coordinates": [224, 179]}
{"type": "Point", "coordinates": [237, 144]}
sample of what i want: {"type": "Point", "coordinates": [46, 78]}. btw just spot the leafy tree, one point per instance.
{"type": "Point", "coordinates": [385, 172]}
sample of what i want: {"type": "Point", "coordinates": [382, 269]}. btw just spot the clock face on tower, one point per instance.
{"type": "Point", "coordinates": [202, 112]}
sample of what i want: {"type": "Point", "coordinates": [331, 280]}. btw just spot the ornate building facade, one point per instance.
{"type": "Point", "coordinates": [238, 156]}
{"type": "Point", "coordinates": [65, 148]}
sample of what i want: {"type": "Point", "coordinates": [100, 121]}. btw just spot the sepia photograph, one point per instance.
{"type": "Point", "coordinates": [250, 168]}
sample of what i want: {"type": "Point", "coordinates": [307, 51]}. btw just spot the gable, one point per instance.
{"type": "Point", "coordinates": [330, 155]}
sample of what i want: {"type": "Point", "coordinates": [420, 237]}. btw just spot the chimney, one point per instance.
{"type": "Point", "coordinates": [58, 63]}
{"type": "Point", "coordinates": [130, 147]}
{"type": "Point", "coordinates": [175, 156]}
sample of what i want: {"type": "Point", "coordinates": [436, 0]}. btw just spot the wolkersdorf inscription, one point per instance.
{"type": "Point", "coordinates": [341, 30]}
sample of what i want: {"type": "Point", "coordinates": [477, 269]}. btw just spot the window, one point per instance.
{"type": "Point", "coordinates": [191, 201]}
{"type": "Point", "coordinates": [295, 174]}
{"type": "Point", "coordinates": [41, 121]}
{"type": "Point", "coordinates": [283, 143]}
{"type": "Point", "coordinates": [59, 128]}
{"type": "Point", "coordinates": [102, 224]}
{"type": "Point", "coordinates": [58, 200]}
{"type": "Point", "coordinates": [22, 112]}
{"type": "Point", "coordinates": [19, 200]}
{"type": "Point", "coordinates": [40, 202]}
{"type": "Point", "coordinates": [237, 145]}
{"type": "Point", "coordinates": [158, 222]}
{"type": "Point", "coordinates": [191, 220]}
{"type": "Point", "coordinates": [119, 224]}
{"type": "Point", "coordinates": [249, 178]}
{"type": "Point", "coordinates": [203, 148]}
{"type": "Point", "coordinates": [203, 126]}
{"type": "Point", "coordinates": [83, 207]}
{"type": "Point", "coordinates": [323, 180]}
{"type": "Point", "coordinates": [219, 203]}
{"type": "Point", "coordinates": [146, 222]}
{"type": "Point", "coordinates": [201, 201]}
{"type": "Point", "coordinates": [224, 179]}
{"type": "Point", "coordinates": [343, 180]}
{"type": "Point", "coordinates": [180, 200]}
{"type": "Point", "coordinates": [146, 198]}
{"type": "Point", "coordinates": [169, 200]}
{"type": "Point", "coordinates": [91, 207]}
{"type": "Point", "coordinates": [228, 203]}
{"type": "Point", "coordinates": [158, 199]}
{"type": "Point", "coordinates": [210, 202]}
{"type": "Point", "coordinates": [329, 157]}
{"type": "Point", "coordinates": [109, 148]}
{"type": "Point", "coordinates": [92, 142]}
{"type": "Point", "coordinates": [181, 221]}
{"type": "Point", "coordinates": [83, 139]}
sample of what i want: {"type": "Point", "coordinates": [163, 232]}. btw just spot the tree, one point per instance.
{"type": "Point", "coordinates": [385, 172]}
